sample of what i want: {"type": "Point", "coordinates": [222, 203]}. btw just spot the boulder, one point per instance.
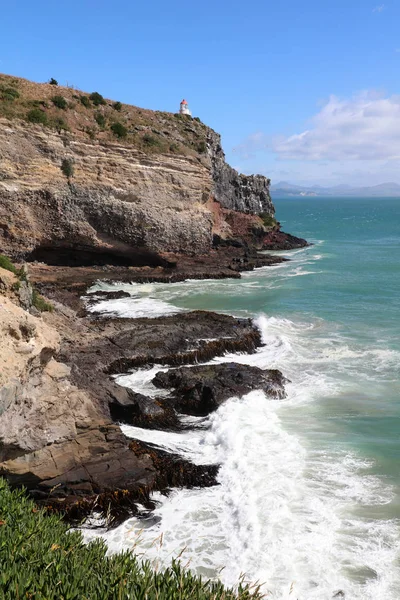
{"type": "Point", "coordinates": [201, 389]}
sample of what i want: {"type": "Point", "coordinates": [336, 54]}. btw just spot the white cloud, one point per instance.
{"type": "Point", "coordinates": [379, 8]}
{"type": "Point", "coordinates": [364, 127]}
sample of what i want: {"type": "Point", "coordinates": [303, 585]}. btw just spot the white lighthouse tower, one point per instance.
{"type": "Point", "coordinates": [184, 109]}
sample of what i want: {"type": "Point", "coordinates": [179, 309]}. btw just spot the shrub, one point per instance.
{"type": "Point", "coordinates": [59, 102]}
{"type": "Point", "coordinates": [91, 133]}
{"type": "Point", "coordinates": [40, 303]}
{"type": "Point", "coordinates": [150, 140]}
{"type": "Point", "coordinates": [196, 119]}
{"type": "Point", "coordinates": [268, 220]}
{"type": "Point", "coordinates": [202, 147]}
{"type": "Point", "coordinates": [100, 119]}
{"type": "Point", "coordinates": [117, 106]}
{"type": "Point", "coordinates": [174, 148]}
{"type": "Point", "coordinates": [41, 559]}
{"type": "Point", "coordinates": [97, 99]}
{"type": "Point", "coordinates": [67, 167]}
{"type": "Point", "coordinates": [9, 94]}
{"type": "Point", "coordinates": [119, 130]}
{"type": "Point", "coordinates": [53, 81]}
{"type": "Point", "coordinates": [85, 101]}
{"type": "Point", "coordinates": [5, 263]}
{"type": "Point", "coordinates": [60, 125]}
{"type": "Point", "coordinates": [37, 116]}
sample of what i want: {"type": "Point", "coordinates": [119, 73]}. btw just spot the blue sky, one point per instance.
{"type": "Point", "coordinates": [306, 92]}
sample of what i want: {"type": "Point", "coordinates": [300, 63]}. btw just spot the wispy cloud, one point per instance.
{"type": "Point", "coordinates": [364, 127]}
{"type": "Point", "coordinates": [253, 143]}
{"type": "Point", "coordinates": [379, 8]}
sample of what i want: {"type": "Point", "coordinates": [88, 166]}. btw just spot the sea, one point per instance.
{"type": "Point", "coordinates": [308, 501]}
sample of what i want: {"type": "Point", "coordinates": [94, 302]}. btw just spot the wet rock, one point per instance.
{"type": "Point", "coordinates": [108, 295]}
{"type": "Point", "coordinates": [174, 471]}
{"type": "Point", "coordinates": [279, 240]}
{"type": "Point", "coordinates": [142, 411]}
{"type": "Point", "coordinates": [118, 345]}
{"type": "Point", "coordinates": [200, 390]}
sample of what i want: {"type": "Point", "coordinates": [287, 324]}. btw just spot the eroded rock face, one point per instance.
{"type": "Point", "coordinates": [119, 201]}
{"type": "Point", "coordinates": [235, 191]}
{"type": "Point", "coordinates": [121, 206]}
{"type": "Point", "coordinates": [32, 384]}
{"type": "Point", "coordinates": [201, 389]}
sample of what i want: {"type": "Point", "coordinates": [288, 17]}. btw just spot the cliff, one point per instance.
{"type": "Point", "coordinates": [73, 191]}
{"type": "Point", "coordinates": [87, 183]}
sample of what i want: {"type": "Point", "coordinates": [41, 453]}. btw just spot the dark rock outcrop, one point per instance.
{"type": "Point", "coordinates": [279, 240]}
{"type": "Point", "coordinates": [113, 346]}
{"type": "Point", "coordinates": [143, 411]}
{"type": "Point", "coordinates": [233, 190]}
{"type": "Point", "coordinates": [201, 389]}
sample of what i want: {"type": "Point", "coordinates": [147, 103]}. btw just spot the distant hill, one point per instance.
{"type": "Point", "coordinates": [384, 189]}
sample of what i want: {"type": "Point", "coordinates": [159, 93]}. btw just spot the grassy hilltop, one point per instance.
{"type": "Point", "coordinates": [90, 115]}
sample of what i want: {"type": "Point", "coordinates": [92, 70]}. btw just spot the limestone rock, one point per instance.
{"type": "Point", "coordinates": [121, 203]}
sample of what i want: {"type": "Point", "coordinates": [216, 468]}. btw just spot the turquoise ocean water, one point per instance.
{"type": "Point", "coordinates": [309, 495]}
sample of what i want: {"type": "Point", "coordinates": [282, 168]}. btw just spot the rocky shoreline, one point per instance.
{"type": "Point", "coordinates": [90, 466]}
{"type": "Point", "coordinates": [158, 205]}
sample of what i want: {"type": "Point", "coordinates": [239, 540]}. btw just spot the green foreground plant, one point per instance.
{"type": "Point", "coordinates": [42, 560]}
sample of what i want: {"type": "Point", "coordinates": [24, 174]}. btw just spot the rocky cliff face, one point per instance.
{"type": "Point", "coordinates": [234, 191]}
{"type": "Point", "coordinates": [159, 189]}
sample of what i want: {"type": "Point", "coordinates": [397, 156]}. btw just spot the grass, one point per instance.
{"type": "Point", "coordinates": [42, 560]}
{"type": "Point", "coordinates": [268, 220]}
{"type": "Point", "coordinates": [149, 131]}
{"type": "Point", "coordinates": [5, 263]}
{"type": "Point", "coordinates": [40, 304]}
{"type": "Point", "coordinates": [37, 300]}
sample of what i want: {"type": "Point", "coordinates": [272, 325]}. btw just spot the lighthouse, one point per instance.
{"type": "Point", "coordinates": [184, 109]}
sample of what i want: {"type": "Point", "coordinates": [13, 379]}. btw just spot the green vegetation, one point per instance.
{"type": "Point", "coordinates": [53, 81]}
{"type": "Point", "coordinates": [202, 147]}
{"type": "Point", "coordinates": [9, 93]}
{"type": "Point", "coordinates": [41, 560]}
{"type": "Point", "coordinates": [85, 101]}
{"type": "Point", "coordinates": [37, 116]}
{"type": "Point", "coordinates": [5, 263]}
{"type": "Point", "coordinates": [151, 141]}
{"type": "Point", "coordinates": [97, 99]}
{"type": "Point", "coordinates": [60, 125]}
{"type": "Point", "coordinates": [268, 220]}
{"type": "Point", "coordinates": [40, 304]}
{"type": "Point", "coordinates": [91, 116]}
{"type": "Point", "coordinates": [67, 167]}
{"type": "Point", "coordinates": [59, 102]}
{"type": "Point", "coordinates": [119, 130]}
{"type": "Point", "coordinates": [100, 119]}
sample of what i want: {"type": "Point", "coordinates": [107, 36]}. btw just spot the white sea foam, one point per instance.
{"type": "Point", "coordinates": [134, 308]}
{"type": "Point", "coordinates": [281, 514]}
{"type": "Point", "coordinates": [140, 381]}
{"type": "Point", "coordinates": [296, 508]}
{"type": "Point", "coordinates": [294, 515]}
